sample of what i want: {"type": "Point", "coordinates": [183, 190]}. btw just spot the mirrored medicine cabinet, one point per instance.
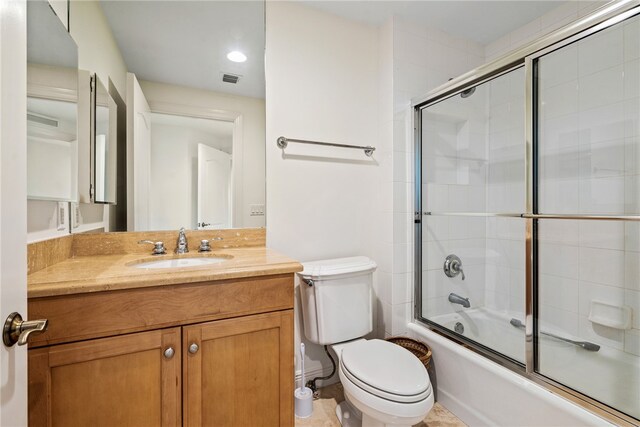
{"type": "Point", "coordinates": [53, 122]}
{"type": "Point", "coordinates": [71, 118]}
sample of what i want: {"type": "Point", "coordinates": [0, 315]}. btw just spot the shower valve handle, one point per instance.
{"type": "Point", "coordinates": [458, 267]}
{"type": "Point", "coordinates": [453, 266]}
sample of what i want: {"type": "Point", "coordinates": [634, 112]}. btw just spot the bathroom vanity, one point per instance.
{"type": "Point", "coordinates": [209, 345]}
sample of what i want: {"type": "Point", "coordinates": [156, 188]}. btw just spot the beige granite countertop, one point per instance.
{"type": "Point", "coordinates": [95, 273]}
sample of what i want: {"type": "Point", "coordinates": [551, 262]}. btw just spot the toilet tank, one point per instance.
{"type": "Point", "coordinates": [336, 297]}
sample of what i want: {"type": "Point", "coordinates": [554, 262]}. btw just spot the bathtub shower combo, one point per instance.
{"type": "Point", "coordinates": [528, 211]}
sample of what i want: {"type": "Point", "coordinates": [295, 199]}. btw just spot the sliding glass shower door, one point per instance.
{"type": "Point", "coordinates": [588, 247]}
{"type": "Point", "coordinates": [528, 208]}
{"type": "Point", "coordinates": [473, 195]}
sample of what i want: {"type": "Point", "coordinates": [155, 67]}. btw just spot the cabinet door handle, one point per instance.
{"type": "Point", "coordinates": [193, 348]}
{"type": "Point", "coordinates": [169, 352]}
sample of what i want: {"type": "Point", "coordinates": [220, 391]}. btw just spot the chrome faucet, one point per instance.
{"type": "Point", "coordinates": [457, 299]}
{"type": "Point", "coordinates": [182, 246]}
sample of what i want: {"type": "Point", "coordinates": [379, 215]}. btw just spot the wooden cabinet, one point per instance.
{"type": "Point", "coordinates": [118, 381]}
{"type": "Point", "coordinates": [235, 371]}
{"type": "Point", "coordinates": [238, 372]}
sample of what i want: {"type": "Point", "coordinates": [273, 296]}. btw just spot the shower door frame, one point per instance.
{"type": "Point", "coordinates": [601, 19]}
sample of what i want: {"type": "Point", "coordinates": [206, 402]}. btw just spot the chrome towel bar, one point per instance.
{"type": "Point", "coordinates": [581, 217]}
{"type": "Point", "coordinates": [283, 142]}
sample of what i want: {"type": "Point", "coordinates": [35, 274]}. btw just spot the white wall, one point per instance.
{"type": "Point", "coordinates": [250, 155]}
{"type": "Point", "coordinates": [173, 198]}
{"type": "Point", "coordinates": [322, 84]}
{"type": "Point", "coordinates": [98, 51]}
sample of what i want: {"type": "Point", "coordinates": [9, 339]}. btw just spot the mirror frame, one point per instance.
{"type": "Point", "coordinates": [95, 82]}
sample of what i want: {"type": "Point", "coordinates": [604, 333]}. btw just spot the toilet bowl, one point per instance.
{"type": "Point", "coordinates": [384, 384]}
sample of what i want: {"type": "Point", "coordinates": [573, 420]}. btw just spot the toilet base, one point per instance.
{"type": "Point", "coordinates": [348, 415]}
{"type": "Point", "coordinates": [367, 421]}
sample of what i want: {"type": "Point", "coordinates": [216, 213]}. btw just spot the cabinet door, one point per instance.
{"type": "Point", "coordinates": [239, 372]}
{"type": "Point", "coordinates": [130, 380]}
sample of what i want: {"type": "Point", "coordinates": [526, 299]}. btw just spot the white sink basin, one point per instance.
{"type": "Point", "coordinates": [180, 262]}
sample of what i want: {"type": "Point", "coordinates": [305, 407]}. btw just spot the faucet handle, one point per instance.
{"type": "Point", "coordinates": [204, 244]}
{"type": "Point", "coordinates": [158, 248]}
{"type": "Point", "coordinates": [453, 266]}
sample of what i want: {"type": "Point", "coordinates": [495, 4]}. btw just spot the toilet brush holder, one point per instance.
{"type": "Point", "coordinates": [304, 402]}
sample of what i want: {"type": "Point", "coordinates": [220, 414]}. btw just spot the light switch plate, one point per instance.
{"type": "Point", "coordinates": [256, 210]}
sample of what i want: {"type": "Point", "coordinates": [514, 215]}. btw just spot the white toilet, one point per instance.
{"type": "Point", "coordinates": [384, 384]}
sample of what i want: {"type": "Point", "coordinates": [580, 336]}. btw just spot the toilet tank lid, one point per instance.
{"type": "Point", "coordinates": [337, 266]}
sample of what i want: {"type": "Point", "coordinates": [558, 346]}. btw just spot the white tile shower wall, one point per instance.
{"type": "Point", "coordinates": [323, 84]}
{"type": "Point", "coordinates": [589, 135]}
{"type": "Point", "coordinates": [505, 194]}
{"type": "Point", "coordinates": [474, 162]}
{"type": "Point", "coordinates": [423, 59]}
{"type": "Point", "coordinates": [556, 18]}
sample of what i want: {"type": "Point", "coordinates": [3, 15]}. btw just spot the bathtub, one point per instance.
{"type": "Point", "coordinates": [483, 393]}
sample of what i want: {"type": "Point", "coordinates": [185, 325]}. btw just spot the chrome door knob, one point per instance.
{"type": "Point", "coordinates": [169, 352]}
{"type": "Point", "coordinates": [193, 348]}
{"type": "Point", "coordinates": [17, 330]}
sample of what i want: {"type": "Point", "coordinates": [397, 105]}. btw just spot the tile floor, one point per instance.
{"type": "Point", "coordinates": [324, 412]}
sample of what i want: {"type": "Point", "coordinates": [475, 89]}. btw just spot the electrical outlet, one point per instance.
{"type": "Point", "coordinates": [62, 215]}
{"type": "Point", "coordinates": [256, 210]}
{"type": "Point", "coordinates": [76, 218]}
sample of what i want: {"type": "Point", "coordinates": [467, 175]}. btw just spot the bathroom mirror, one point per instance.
{"type": "Point", "coordinates": [104, 148]}
{"type": "Point", "coordinates": [52, 106]}
{"type": "Point", "coordinates": [195, 118]}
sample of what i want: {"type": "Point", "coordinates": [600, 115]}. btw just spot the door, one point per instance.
{"type": "Point", "coordinates": [138, 156]}
{"type": "Point", "coordinates": [13, 196]}
{"type": "Point", "coordinates": [587, 244]}
{"type": "Point", "coordinates": [472, 187]}
{"type": "Point", "coordinates": [214, 188]}
{"type": "Point", "coordinates": [239, 372]}
{"type": "Point", "coordinates": [129, 380]}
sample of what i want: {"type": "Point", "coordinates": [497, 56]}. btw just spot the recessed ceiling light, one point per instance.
{"type": "Point", "coordinates": [236, 56]}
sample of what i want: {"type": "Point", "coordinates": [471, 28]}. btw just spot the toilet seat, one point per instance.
{"type": "Point", "coordinates": [385, 370]}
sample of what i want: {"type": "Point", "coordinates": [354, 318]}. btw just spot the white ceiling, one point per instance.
{"type": "Point", "coordinates": [477, 20]}
{"type": "Point", "coordinates": [186, 42]}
